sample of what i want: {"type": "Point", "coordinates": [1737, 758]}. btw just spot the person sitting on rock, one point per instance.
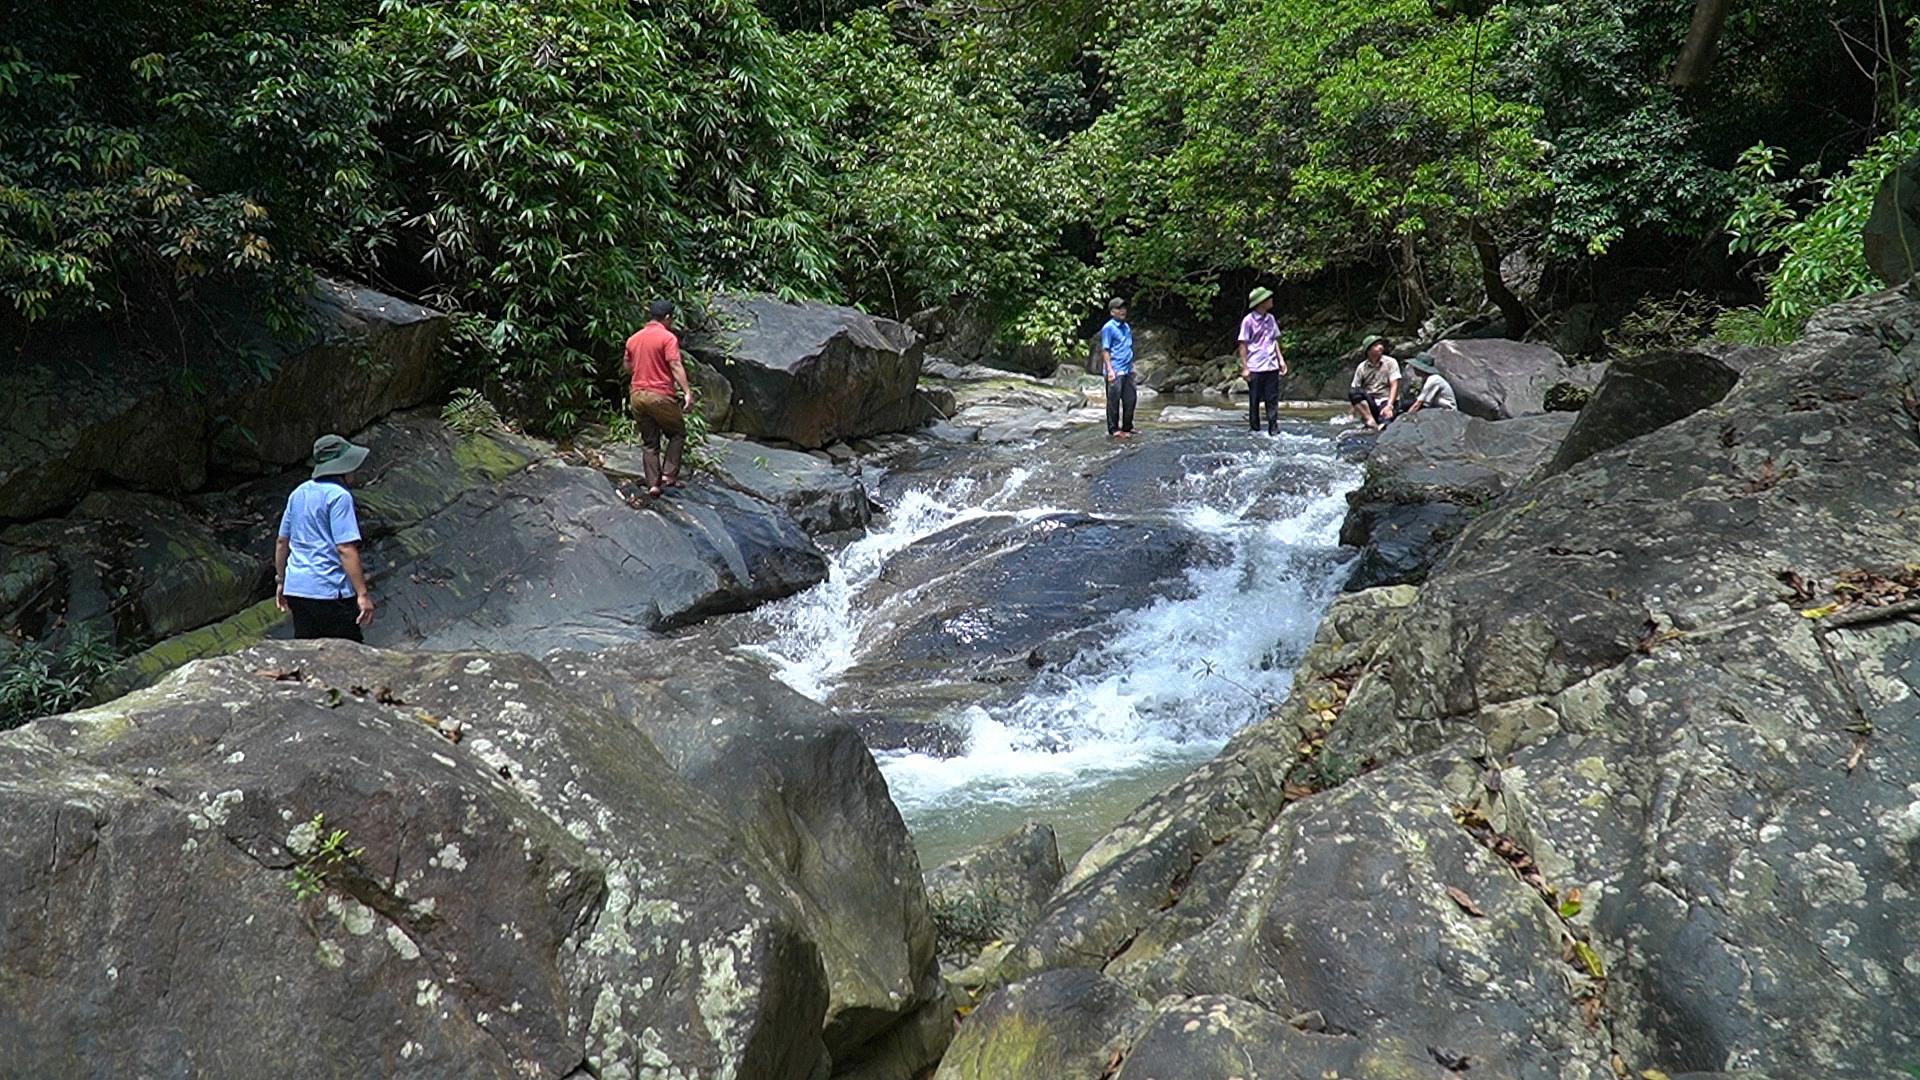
{"type": "Point", "coordinates": [1436, 392]}
{"type": "Point", "coordinates": [1376, 384]}
{"type": "Point", "coordinates": [653, 359]}
{"type": "Point", "coordinates": [318, 578]}
{"type": "Point", "coordinates": [1116, 351]}
{"type": "Point", "coordinates": [1261, 362]}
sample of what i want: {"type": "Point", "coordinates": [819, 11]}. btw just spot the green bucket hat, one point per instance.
{"type": "Point", "coordinates": [1257, 295]}
{"type": "Point", "coordinates": [335, 456]}
{"type": "Point", "coordinates": [1372, 340]}
{"type": "Point", "coordinates": [1423, 364]}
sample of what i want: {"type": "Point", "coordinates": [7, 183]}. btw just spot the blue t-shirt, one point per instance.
{"type": "Point", "coordinates": [1117, 338]}
{"type": "Point", "coordinates": [319, 518]}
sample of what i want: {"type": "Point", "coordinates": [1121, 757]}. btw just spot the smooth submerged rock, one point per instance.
{"type": "Point", "coordinates": [810, 374]}
{"type": "Point", "coordinates": [1621, 779]}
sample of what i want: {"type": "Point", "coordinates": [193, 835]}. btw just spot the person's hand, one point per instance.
{"type": "Point", "coordinates": [365, 618]}
{"type": "Point", "coordinates": [1283, 367]}
{"type": "Point", "coordinates": [280, 596]}
{"type": "Point", "coordinates": [1386, 413]}
{"type": "Point", "coordinates": [1109, 376]}
{"type": "Point", "coordinates": [686, 402]}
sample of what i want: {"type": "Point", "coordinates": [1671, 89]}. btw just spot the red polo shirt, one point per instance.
{"type": "Point", "coordinates": [650, 356]}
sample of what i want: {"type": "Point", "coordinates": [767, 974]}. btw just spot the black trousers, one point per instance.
{"type": "Point", "coordinates": [1361, 397]}
{"type": "Point", "coordinates": [1263, 386]}
{"type": "Point", "coordinates": [325, 618]}
{"type": "Point", "coordinates": [1121, 398]}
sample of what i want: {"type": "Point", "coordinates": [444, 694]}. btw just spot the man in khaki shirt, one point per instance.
{"type": "Point", "coordinates": [1376, 385]}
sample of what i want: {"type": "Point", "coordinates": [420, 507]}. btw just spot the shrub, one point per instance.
{"type": "Point", "coordinates": [38, 682]}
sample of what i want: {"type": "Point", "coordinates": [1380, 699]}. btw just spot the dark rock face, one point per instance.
{"type": "Point", "coordinates": [541, 897]}
{"type": "Point", "coordinates": [1496, 379]}
{"type": "Point", "coordinates": [811, 804]}
{"type": "Point", "coordinates": [1062, 1025]}
{"type": "Point", "coordinates": [818, 497]}
{"type": "Point", "coordinates": [812, 374]}
{"type": "Point", "coordinates": [1626, 783]}
{"type": "Point", "coordinates": [1643, 394]}
{"type": "Point", "coordinates": [963, 337]}
{"type": "Point", "coordinates": [1019, 871]}
{"type": "Point", "coordinates": [1427, 476]}
{"type": "Point", "coordinates": [1892, 235]}
{"type": "Point", "coordinates": [65, 423]}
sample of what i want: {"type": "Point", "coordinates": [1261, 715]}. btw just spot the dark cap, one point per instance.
{"type": "Point", "coordinates": [1116, 303]}
{"type": "Point", "coordinates": [660, 309]}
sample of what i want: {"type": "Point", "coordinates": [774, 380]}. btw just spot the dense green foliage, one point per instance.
{"type": "Point", "coordinates": [542, 168]}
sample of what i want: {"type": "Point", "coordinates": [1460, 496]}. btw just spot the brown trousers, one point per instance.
{"type": "Point", "coordinates": [659, 415]}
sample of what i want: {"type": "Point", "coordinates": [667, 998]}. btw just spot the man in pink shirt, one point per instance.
{"type": "Point", "coordinates": [1261, 362]}
{"type": "Point", "coordinates": [653, 359]}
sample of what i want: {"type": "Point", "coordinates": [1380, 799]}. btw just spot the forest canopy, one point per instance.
{"type": "Point", "coordinates": [542, 168]}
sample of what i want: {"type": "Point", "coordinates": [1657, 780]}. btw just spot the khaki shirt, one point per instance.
{"type": "Point", "coordinates": [1376, 379]}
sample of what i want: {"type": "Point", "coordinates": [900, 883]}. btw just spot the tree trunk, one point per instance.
{"type": "Point", "coordinates": [1703, 38]}
{"type": "Point", "coordinates": [1414, 302]}
{"type": "Point", "coordinates": [1519, 319]}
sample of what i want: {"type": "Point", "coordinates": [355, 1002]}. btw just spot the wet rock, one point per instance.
{"type": "Point", "coordinates": [1427, 476]}
{"type": "Point", "coordinates": [812, 805]}
{"type": "Point", "coordinates": [1643, 394]}
{"type": "Point", "coordinates": [1496, 379]}
{"type": "Point", "coordinates": [1212, 1036]}
{"type": "Point", "coordinates": [1061, 1025]}
{"type": "Point", "coordinates": [820, 498]}
{"type": "Point", "coordinates": [556, 557]}
{"type": "Point", "coordinates": [543, 896]}
{"type": "Point", "coordinates": [83, 409]}
{"type": "Point", "coordinates": [808, 373]}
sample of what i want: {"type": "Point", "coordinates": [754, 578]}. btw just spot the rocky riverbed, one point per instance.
{"type": "Point", "coordinates": [1613, 780]}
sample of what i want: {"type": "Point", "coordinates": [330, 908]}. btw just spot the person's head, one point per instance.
{"type": "Point", "coordinates": [1422, 367]}
{"type": "Point", "coordinates": [660, 311]}
{"type": "Point", "coordinates": [1117, 307]}
{"type": "Point", "coordinates": [1260, 300]}
{"type": "Point", "coordinates": [335, 458]}
{"type": "Point", "coordinates": [1373, 348]}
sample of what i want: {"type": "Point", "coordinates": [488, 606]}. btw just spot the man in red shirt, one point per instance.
{"type": "Point", "coordinates": [653, 358]}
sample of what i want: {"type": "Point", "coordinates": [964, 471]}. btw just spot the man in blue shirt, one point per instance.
{"type": "Point", "coordinates": [1116, 348]}
{"type": "Point", "coordinates": [316, 560]}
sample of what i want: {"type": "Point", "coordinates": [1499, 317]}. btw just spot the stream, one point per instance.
{"type": "Point", "coordinates": [1054, 630]}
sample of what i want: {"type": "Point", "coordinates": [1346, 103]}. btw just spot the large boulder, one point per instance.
{"type": "Point", "coordinates": [965, 336]}
{"type": "Point", "coordinates": [811, 374]}
{"type": "Point", "coordinates": [1428, 475]}
{"type": "Point", "coordinates": [283, 857]}
{"type": "Point", "coordinates": [811, 804]}
{"type": "Point", "coordinates": [1620, 791]}
{"type": "Point", "coordinates": [1496, 379]}
{"type": "Point", "coordinates": [1643, 394]}
{"type": "Point", "coordinates": [1008, 878]}
{"type": "Point", "coordinates": [817, 496]}
{"type": "Point", "coordinates": [1059, 1025]}
{"type": "Point", "coordinates": [85, 409]}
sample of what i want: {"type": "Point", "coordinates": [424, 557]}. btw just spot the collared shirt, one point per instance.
{"type": "Point", "coordinates": [1117, 338]}
{"type": "Point", "coordinates": [1376, 379]}
{"type": "Point", "coordinates": [1437, 393]}
{"type": "Point", "coordinates": [1260, 333]}
{"type": "Point", "coordinates": [319, 518]}
{"type": "Point", "coordinates": [650, 356]}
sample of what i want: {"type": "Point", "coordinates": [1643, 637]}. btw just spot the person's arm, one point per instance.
{"type": "Point", "coordinates": [1245, 371]}
{"type": "Point", "coordinates": [685, 384]}
{"type": "Point", "coordinates": [1106, 351]}
{"type": "Point", "coordinates": [282, 549]}
{"type": "Point", "coordinates": [350, 562]}
{"type": "Point", "coordinates": [1393, 397]}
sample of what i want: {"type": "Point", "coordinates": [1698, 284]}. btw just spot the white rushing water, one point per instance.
{"type": "Point", "coordinates": [1169, 683]}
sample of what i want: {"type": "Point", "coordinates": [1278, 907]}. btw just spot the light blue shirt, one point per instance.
{"type": "Point", "coordinates": [1117, 338]}
{"type": "Point", "coordinates": [318, 520]}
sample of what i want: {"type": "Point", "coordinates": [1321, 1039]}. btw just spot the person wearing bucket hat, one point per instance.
{"type": "Point", "coordinates": [1261, 361]}
{"type": "Point", "coordinates": [1116, 351]}
{"type": "Point", "coordinates": [1436, 392]}
{"type": "Point", "coordinates": [1376, 384]}
{"type": "Point", "coordinates": [318, 578]}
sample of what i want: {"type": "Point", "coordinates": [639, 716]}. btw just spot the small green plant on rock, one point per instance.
{"type": "Point", "coordinates": [468, 412]}
{"type": "Point", "coordinates": [41, 682]}
{"type": "Point", "coordinates": [964, 923]}
{"type": "Point", "coordinates": [322, 854]}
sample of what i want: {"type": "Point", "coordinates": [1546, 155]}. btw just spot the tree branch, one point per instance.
{"type": "Point", "coordinates": [1703, 39]}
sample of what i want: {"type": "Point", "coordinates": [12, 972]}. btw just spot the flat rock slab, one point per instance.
{"type": "Point", "coordinates": [811, 374]}
{"type": "Point", "coordinates": [557, 557]}
{"type": "Point", "coordinates": [819, 497]}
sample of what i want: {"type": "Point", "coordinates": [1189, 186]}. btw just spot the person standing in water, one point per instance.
{"type": "Point", "coordinates": [653, 359]}
{"type": "Point", "coordinates": [1116, 350]}
{"type": "Point", "coordinates": [1261, 361]}
{"type": "Point", "coordinates": [318, 578]}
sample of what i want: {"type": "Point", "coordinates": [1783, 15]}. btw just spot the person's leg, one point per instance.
{"type": "Point", "coordinates": [325, 618]}
{"type": "Point", "coordinates": [1273, 402]}
{"type": "Point", "coordinates": [305, 620]}
{"type": "Point", "coordinates": [1253, 400]}
{"type": "Point", "coordinates": [673, 424]}
{"type": "Point", "coordinates": [1129, 397]}
{"type": "Point", "coordinates": [1113, 405]}
{"type": "Point", "coordinates": [649, 440]}
{"type": "Point", "coordinates": [1362, 407]}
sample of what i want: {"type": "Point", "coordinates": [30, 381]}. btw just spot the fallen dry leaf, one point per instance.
{"type": "Point", "coordinates": [1466, 902]}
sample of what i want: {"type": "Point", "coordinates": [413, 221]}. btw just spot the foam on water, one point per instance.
{"type": "Point", "coordinates": [1170, 683]}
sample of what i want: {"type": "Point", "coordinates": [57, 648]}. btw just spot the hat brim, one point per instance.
{"type": "Point", "coordinates": [349, 460]}
{"type": "Point", "coordinates": [1258, 298]}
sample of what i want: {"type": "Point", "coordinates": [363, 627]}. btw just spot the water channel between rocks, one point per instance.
{"type": "Point", "coordinates": [1055, 630]}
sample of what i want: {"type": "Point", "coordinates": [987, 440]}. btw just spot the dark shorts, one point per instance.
{"type": "Point", "coordinates": [325, 618]}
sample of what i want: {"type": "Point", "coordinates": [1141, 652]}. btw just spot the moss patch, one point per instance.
{"type": "Point", "coordinates": [226, 636]}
